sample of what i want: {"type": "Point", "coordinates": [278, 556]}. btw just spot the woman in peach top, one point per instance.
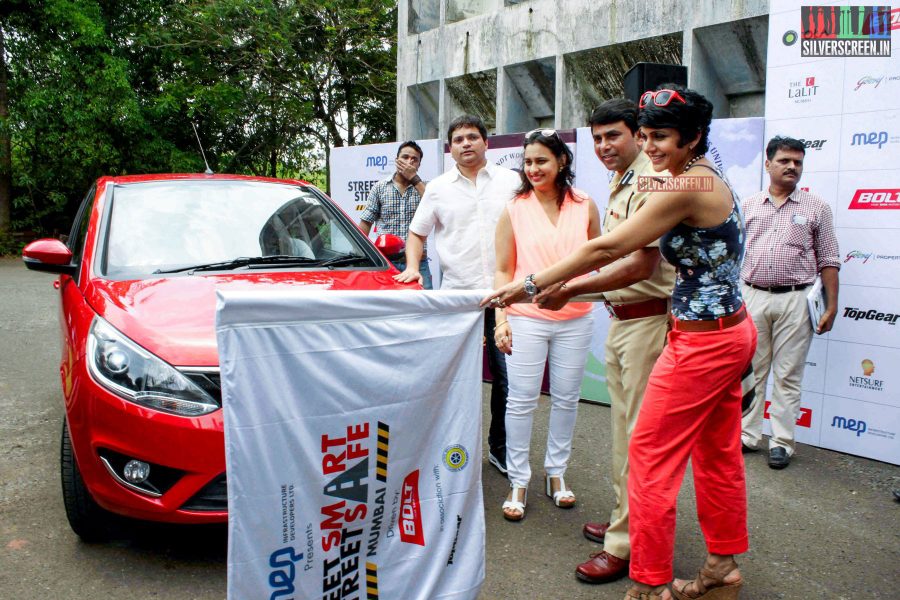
{"type": "Point", "coordinates": [547, 220]}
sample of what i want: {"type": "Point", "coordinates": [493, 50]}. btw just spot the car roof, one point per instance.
{"type": "Point", "coordinates": [195, 177]}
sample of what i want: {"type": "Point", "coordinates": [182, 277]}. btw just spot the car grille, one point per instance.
{"type": "Point", "coordinates": [208, 380]}
{"type": "Point", "coordinates": [213, 497]}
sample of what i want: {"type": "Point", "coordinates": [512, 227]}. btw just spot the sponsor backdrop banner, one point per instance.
{"type": "Point", "coordinates": [356, 169]}
{"type": "Point", "coordinates": [833, 81]}
{"type": "Point", "coordinates": [351, 473]}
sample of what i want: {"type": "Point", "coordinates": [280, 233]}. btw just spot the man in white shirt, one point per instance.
{"type": "Point", "coordinates": [463, 206]}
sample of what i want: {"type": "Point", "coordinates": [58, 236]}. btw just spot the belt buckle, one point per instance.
{"type": "Point", "coordinates": [610, 310]}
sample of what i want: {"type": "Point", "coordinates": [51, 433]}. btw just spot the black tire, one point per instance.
{"type": "Point", "coordinates": [86, 518]}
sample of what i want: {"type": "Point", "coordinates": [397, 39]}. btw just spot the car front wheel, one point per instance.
{"type": "Point", "coordinates": [86, 517]}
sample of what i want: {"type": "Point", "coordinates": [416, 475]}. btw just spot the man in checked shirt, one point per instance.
{"type": "Point", "coordinates": [790, 239]}
{"type": "Point", "coordinates": [393, 202]}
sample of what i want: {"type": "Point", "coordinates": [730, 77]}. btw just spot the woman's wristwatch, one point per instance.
{"type": "Point", "coordinates": [531, 290]}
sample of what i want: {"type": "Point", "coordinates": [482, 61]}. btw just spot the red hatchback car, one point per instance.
{"type": "Point", "coordinates": [143, 433]}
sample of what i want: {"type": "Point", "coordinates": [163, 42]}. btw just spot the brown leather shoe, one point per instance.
{"type": "Point", "coordinates": [595, 531]}
{"type": "Point", "coordinates": [602, 568]}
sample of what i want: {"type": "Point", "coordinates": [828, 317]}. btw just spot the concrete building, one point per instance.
{"type": "Point", "coordinates": [521, 64]}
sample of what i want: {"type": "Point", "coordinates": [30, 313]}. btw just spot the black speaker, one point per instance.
{"type": "Point", "coordinates": [646, 76]}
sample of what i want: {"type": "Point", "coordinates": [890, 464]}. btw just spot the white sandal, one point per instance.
{"type": "Point", "coordinates": [563, 497]}
{"type": "Point", "coordinates": [515, 504]}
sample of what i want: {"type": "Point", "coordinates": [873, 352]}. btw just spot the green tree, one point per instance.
{"type": "Point", "coordinates": [111, 87]}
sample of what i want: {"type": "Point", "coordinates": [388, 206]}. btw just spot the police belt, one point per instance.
{"type": "Point", "coordinates": [638, 310]}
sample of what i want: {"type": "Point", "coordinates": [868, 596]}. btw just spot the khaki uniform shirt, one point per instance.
{"type": "Point", "coordinates": [624, 201]}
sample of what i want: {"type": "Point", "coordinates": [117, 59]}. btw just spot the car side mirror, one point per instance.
{"type": "Point", "coordinates": [391, 246]}
{"type": "Point", "coordinates": [49, 255]}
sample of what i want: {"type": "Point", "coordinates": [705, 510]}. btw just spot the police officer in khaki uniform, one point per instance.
{"type": "Point", "coordinates": [637, 289]}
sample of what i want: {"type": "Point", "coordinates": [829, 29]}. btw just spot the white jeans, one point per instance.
{"type": "Point", "coordinates": [567, 344]}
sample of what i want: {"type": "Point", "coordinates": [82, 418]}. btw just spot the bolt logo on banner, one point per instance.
{"type": "Point", "coordinates": [410, 514]}
{"type": "Point", "coordinates": [829, 31]}
{"type": "Point", "coordinates": [875, 199]}
{"type": "Point", "coordinates": [804, 420]}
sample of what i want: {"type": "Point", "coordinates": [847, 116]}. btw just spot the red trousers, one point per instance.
{"type": "Point", "coordinates": [691, 409]}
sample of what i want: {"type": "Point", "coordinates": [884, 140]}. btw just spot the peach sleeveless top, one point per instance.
{"type": "Point", "coordinates": [540, 244]}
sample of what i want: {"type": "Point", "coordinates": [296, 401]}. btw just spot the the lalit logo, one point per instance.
{"type": "Point", "coordinates": [802, 91]}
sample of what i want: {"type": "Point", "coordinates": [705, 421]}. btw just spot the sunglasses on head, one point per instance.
{"type": "Point", "coordinates": [660, 98]}
{"type": "Point", "coordinates": [543, 132]}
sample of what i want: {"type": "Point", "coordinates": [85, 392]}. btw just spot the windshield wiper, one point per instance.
{"type": "Point", "coordinates": [245, 261]}
{"type": "Point", "coordinates": [344, 259]}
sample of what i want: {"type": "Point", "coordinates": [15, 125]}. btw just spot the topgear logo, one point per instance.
{"type": "Point", "coordinates": [875, 199]}
{"type": "Point", "coordinates": [857, 314]}
{"type": "Point", "coordinates": [812, 144]}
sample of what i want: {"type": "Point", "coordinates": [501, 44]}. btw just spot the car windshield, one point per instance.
{"type": "Point", "coordinates": [171, 226]}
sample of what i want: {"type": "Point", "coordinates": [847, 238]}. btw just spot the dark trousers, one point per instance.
{"type": "Point", "coordinates": [499, 388]}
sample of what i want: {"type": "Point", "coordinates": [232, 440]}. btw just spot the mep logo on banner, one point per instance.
{"type": "Point", "coordinates": [875, 199]}
{"type": "Point", "coordinates": [844, 31]}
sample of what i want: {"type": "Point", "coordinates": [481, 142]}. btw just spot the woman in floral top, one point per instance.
{"type": "Point", "coordinates": [692, 406]}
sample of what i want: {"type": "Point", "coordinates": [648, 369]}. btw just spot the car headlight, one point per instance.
{"type": "Point", "coordinates": [128, 370]}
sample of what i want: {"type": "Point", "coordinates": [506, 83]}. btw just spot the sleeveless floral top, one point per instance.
{"type": "Point", "coordinates": [708, 267]}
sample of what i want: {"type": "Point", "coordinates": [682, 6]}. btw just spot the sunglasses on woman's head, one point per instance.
{"type": "Point", "coordinates": [660, 98]}
{"type": "Point", "coordinates": [543, 132]}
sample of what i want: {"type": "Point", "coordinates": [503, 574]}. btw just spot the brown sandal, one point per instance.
{"type": "Point", "coordinates": [653, 594]}
{"type": "Point", "coordinates": [717, 589]}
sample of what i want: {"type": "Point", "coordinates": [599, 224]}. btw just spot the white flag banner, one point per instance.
{"type": "Point", "coordinates": [353, 443]}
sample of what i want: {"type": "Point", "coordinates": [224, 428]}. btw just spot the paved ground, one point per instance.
{"type": "Point", "coordinates": [827, 527]}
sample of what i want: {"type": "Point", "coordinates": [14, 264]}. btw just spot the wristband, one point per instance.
{"type": "Point", "coordinates": [499, 324]}
{"type": "Point", "coordinates": [416, 180]}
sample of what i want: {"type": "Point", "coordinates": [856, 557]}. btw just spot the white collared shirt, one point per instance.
{"type": "Point", "coordinates": [464, 217]}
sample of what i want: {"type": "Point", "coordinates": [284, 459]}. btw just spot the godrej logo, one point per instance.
{"type": "Point", "coordinates": [410, 511]}
{"type": "Point", "coordinates": [875, 199]}
{"type": "Point", "coordinates": [863, 256]}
